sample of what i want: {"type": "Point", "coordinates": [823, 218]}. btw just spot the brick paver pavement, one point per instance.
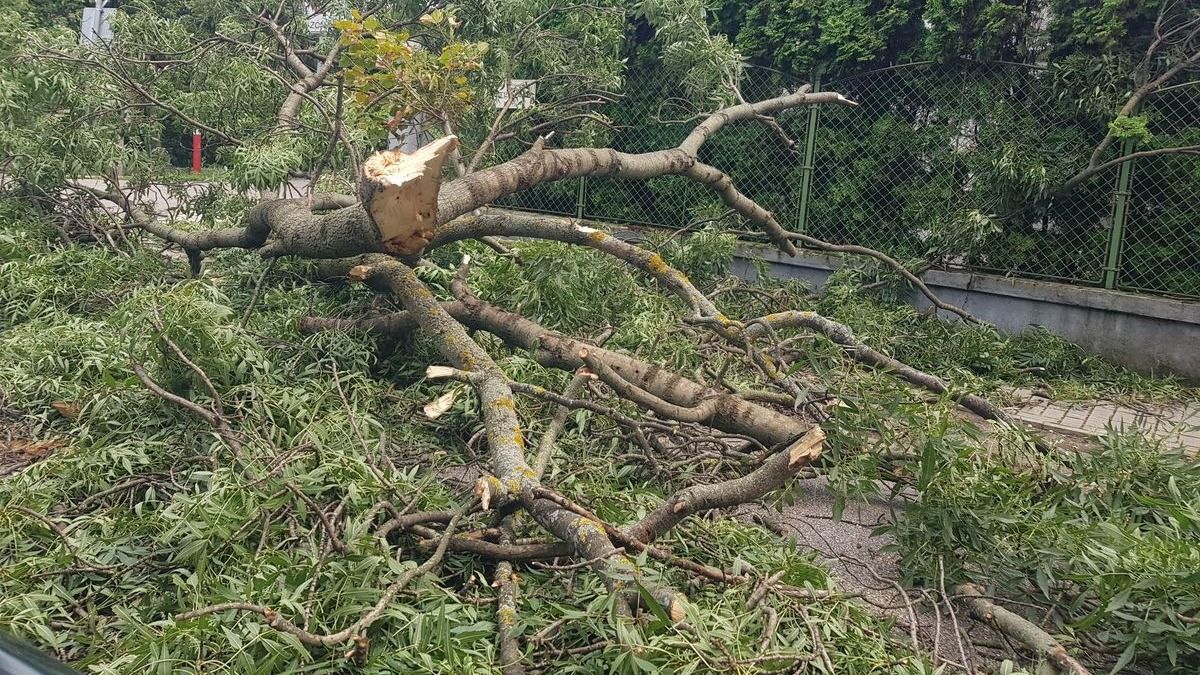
{"type": "Point", "coordinates": [1175, 425]}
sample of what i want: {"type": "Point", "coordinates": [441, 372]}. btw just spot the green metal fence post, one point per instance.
{"type": "Point", "coordinates": [806, 169]}
{"type": "Point", "coordinates": [1120, 213]}
{"type": "Point", "coordinates": [579, 198]}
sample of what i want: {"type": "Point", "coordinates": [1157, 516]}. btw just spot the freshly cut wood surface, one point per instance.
{"type": "Point", "coordinates": [400, 192]}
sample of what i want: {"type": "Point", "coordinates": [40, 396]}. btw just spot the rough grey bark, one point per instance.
{"type": "Point", "coordinates": [507, 632]}
{"type": "Point", "coordinates": [512, 479]}
{"type": "Point", "coordinates": [348, 231]}
{"type": "Point", "coordinates": [554, 350]}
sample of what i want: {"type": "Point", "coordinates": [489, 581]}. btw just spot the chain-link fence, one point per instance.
{"type": "Point", "coordinates": [1161, 242]}
{"type": "Point", "coordinates": [953, 166]}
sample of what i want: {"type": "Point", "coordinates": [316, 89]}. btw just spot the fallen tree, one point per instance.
{"type": "Point", "coordinates": [403, 215]}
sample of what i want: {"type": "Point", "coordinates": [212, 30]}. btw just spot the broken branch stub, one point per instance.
{"type": "Point", "coordinates": [400, 193]}
{"type": "Point", "coordinates": [806, 449]}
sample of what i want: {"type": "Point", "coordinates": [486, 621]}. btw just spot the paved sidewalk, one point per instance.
{"type": "Point", "coordinates": [1175, 425]}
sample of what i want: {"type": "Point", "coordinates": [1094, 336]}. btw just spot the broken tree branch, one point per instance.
{"type": "Point", "coordinates": [841, 335]}
{"type": "Point", "coordinates": [1019, 629]}
{"type": "Point", "coordinates": [294, 229]}
{"type": "Point", "coordinates": [513, 479]}
{"type": "Point", "coordinates": [400, 193]}
{"type": "Point", "coordinates": [753, 486]}
{"type": "Point", "coordinates": [554, 350]}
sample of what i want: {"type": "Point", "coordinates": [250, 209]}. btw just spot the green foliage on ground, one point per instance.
{"type": "Point", "coordinates": [1104, 539]}
{"type": "Point", "coordinates": [335, 416]}
{"type": "Point", "coordinates": [320, 413]}
{"type": "Point", "coordinates": [147, 513]}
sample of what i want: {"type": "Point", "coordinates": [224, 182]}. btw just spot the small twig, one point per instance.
{"type": "Point", "coordinates": [216, 421]}
{"type": "Point", "coordinates": [316, 578]}
{"type": "Point", "coordinates": [63, 537]}
{"type": "Point", "coordinates": [354, 630]}
{"type": "Point", "coordinates": [547, 443]}
{"type": "Point", "coordinates": [334, 135]}
{"type": "Point", "coordinates": [763, 588]}
{"type": "Point", "coordinates": [208, 384]}
{"type": "Point", "coordinates": [123, 485]}
{"type": "Point", "coordinates": [354, 427]}
{"type": "Point", "coordinates": [962, 652]}
{"type": "Point", "coordinates": [818, 643]}
{"type": "Point", "coordinates": [258, 286]}
{"type": "Point", "coordinates": [330, 529]}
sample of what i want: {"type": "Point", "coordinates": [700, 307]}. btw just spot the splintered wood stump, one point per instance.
{"type": "Point", "coordinates": [400, 193]}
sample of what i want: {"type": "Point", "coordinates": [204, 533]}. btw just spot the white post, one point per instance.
{"type": "Point", "coordinates": [95, 26]}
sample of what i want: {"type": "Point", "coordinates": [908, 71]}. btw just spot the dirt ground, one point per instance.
{"type": "Point", "coordinates": [862, 568]}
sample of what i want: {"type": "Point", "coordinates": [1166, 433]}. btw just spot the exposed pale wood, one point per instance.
{"type": "Point", "coordinates": [806, 449]}
{"type": "Point", "coordinates": [400, 192]}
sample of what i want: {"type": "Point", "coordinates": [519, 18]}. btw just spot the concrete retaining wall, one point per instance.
{"type": "Point", "coordinates": [1146, 333]}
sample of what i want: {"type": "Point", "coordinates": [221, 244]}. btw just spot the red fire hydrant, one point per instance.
{"type": "Point", "coordinates": [196, 151]}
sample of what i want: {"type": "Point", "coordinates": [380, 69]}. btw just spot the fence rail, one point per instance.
{"type": "Point", "coordinates": [946, 166]}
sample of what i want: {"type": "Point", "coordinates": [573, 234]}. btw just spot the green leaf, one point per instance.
{"type": "Point", "coordinates": [1118, 601]}
{"type": "Point", "coordinates": [648, 600]}
{"type": "Point", "coordinates": [1126, 656]}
